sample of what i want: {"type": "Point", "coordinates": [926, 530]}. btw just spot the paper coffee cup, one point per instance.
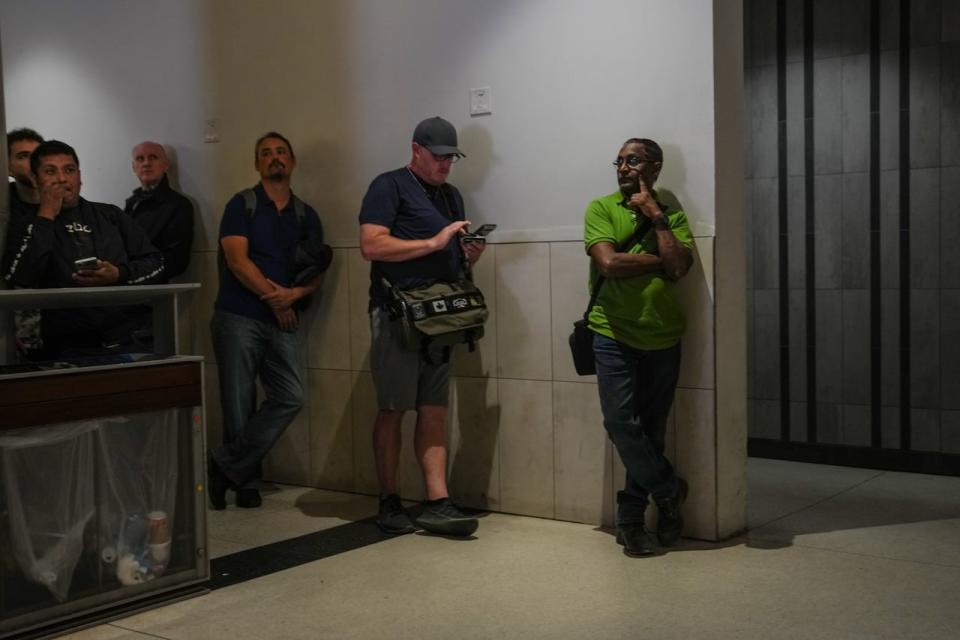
{"type": "Point", "coordinates": [159, 553]}
{"type": "Point", "coordinates": [158, 528]}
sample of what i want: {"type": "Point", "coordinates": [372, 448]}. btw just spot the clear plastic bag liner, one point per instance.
{"type": "Point", "coordinates": [103, 487]}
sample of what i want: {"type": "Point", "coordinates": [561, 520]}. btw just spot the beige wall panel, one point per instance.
{"type": "Point", "coordinates": [474, 459]}
{"type": "Point", "coordinates": [331, 429]}
{"type": "Point", "coordinates": [329, 315]}
{"type": "Point", "coordinates": [526, 447]}
{"type": "Point", "coordinates": [696, 295]}
{"type": "Point", "coordinates": [695, 460]}
{"type": "Point", "coordinates": [582, 472]}
{"type": "Point", "coordinates": [358, 274]}
{"type": "Point", "coordinates": [523, 311]}
{"type": "Point", "coordinates": [569, 271]}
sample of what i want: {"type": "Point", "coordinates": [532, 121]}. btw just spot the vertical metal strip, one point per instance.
{"type": "Point", "coordinates": [905, 400]}
{"type": "Point", "coordinates": [876, 355]}
{"type": "Point", "coordinates": [782, 220]}
{"type": "Point", "coordinates": [809, 221]}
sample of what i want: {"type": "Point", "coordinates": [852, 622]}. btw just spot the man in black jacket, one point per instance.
{"type": "Point", "coordinates": [23, 193]}
{"type": "Point", "coordinates": [164, 214]}
{"type": "Point", "coordinates": [24, 202]}
{"type": "Point", "coordinates": [72, 242]}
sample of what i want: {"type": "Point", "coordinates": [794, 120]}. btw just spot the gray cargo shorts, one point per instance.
{"type": "Point", "coordinates": [403, 379]}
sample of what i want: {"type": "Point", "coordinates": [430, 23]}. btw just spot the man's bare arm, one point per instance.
{"type": "Point", "coordinates": [283, 297]}
{"type": "Point", "coordinates": [235, 252]}
{"type": "Point", "coordinates": [376, 243]}
{"type": "Point", "coordinates": [612, 264]}
{"type": "Point", "coordinates": [675, 256]}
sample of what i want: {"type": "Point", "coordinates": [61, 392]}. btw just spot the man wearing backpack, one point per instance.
{"type": "Point", "coordinates": [411, 222]}
{"type": "Point", "coordinates": [255, 327]}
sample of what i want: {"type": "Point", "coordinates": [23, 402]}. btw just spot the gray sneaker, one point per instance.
{"type": "Point", "coordinates": [444, 517]}
{"type": "Point", "coordinates": [391, 518]}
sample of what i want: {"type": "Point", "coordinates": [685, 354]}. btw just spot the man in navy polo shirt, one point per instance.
{"type": "Point", "coordinates": [410, 226]}
{"type": "Point", "coordinates": [256, 327]}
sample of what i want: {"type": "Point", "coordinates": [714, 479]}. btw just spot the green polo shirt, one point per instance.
{"type": "Point", "coordinates": [640, 311]}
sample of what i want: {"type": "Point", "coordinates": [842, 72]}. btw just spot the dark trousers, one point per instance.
{"type": "Point", "coordinates": [636, 391]}
{"type": "Point", "coordinates": [246, 350]}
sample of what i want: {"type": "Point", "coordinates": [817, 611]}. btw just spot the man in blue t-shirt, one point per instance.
{"type": "Point", "coordinates": [411, 221]}
{"type": "Point", "coordinates": [256, 327]}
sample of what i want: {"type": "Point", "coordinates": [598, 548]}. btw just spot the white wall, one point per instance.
{"type": "Point", "coordinates": [347, 81]}
{"type": "Point", "coordinates": [103, 76]}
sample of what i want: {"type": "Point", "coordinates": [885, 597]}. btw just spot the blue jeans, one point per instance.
{"type": "Point", "coordinates": [247, 349]}
{"type": "Point", "coordinates": [636, 390]}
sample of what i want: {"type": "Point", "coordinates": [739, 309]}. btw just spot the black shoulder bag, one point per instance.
{"type": "Point", "coordinates": [581, 340]}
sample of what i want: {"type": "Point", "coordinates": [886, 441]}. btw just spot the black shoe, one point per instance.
{"type": "Point", "coordinates": [670, 524]}
{"type": "Point", "coordinates": [444, 517]}
{"type": "Point", "coordinates": [248, 498]}
{"type": "Point", "coordinates": [391, 518]}
{"type": "Point", "coordinates": [636, 540]}
{"type": "Point", "coordinates": [217, 485]}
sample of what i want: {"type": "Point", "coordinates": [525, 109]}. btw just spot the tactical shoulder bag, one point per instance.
{"type": "Point", "coordinates": [440, 314]}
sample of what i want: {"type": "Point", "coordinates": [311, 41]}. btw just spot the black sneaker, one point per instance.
{"type": "Point", "coordinates": [670, 524]}
{"type": "Point", "coordinates": [444, 517]}
{"type": "Point", "coordinates": [636, 540]}
{"type": "Point", "coordinates": [391, 517]}
{"type": "Point", "coordinates": [248, 498]}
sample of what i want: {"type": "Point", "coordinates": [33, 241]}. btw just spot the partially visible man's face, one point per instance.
{"type": "Point", "coordinates": [628, 177]}
{"type": "Point", "coordinates": [274, 160]}
{"type": "Point", "coordinates": [60, 171]}
{"type": "Point", "coordinates": [149, 163]}
{"type": "Point", "coordinates": [19, 161]}
{"type": "Point", "coordinates": [429, 166]}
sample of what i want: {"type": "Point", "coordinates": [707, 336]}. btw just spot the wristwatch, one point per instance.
{"type": "Point", "coordinates": [661, 222]}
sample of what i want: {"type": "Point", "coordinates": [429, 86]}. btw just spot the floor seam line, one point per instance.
{"type": "Point", "coordinates": [817, 503]}
{"type": "Point", "coordinates": [144, 633]}
{"type": "Point", "coordinates": [860, 554]}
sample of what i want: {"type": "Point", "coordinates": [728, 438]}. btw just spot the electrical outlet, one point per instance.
{"type": "Point", "coordinates": [480, 102]}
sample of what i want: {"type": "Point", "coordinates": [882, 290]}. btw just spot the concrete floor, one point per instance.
{"type": "Point", "coordinates": [832, 553]}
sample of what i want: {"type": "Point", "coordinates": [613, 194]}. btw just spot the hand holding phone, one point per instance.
{"type": "Point", "coordinates": [85, 264]}
{"type": "Point", "coordinates": [480, 235]}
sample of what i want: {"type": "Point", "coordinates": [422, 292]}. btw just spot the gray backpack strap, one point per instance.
{"type": "Point", "coordinates": [249, 201]}
{"type": "Point", "coordinates": [250, 205]}
{"type": "Point", "coordinates": [299, 208]}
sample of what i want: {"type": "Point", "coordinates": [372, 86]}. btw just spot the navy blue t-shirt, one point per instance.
{"type": "Point", "coordinates": [412, 210]}
{"type": "Point", "coordinates": [271, 239]}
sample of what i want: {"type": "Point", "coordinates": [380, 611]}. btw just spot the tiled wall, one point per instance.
{"type": "Point", "coordinates": [525, 430]}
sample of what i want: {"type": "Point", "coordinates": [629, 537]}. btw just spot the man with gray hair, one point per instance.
{"type": "Point", "coordinates": [164, 214]}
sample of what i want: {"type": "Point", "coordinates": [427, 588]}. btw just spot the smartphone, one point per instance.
{"type": "Point", "coordinates": [83, 264]}
{"type": "Point", "coordinates": [480, 235]}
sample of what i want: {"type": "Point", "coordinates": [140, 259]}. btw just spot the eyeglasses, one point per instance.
{"type": "Point", "coordinates": [631, 161]}
{"type": "Point", "coordinates": [452, 157]}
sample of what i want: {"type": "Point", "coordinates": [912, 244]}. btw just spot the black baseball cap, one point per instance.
{"type": "Point", "coordinates": [437, 135]}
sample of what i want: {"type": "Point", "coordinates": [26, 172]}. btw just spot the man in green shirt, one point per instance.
{"type": "Point", "coordinates": [640, 247]}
